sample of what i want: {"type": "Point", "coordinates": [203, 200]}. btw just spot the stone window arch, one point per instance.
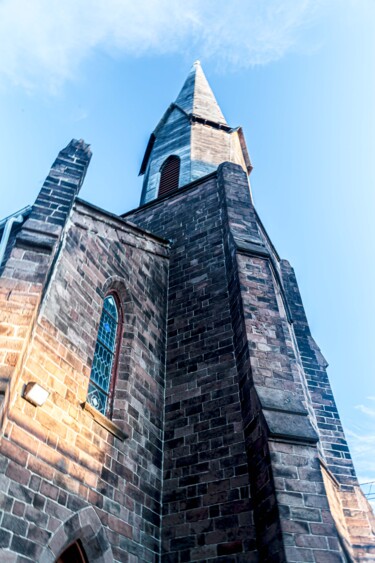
{"type": "Point", "coordinates": [84, 527]}
{"type": "Point", "coordinates": [74, 553]}
{"type": "Point", "coordinates": [169, 175]}
{"type": "Point", "coordinates": [104, 366]}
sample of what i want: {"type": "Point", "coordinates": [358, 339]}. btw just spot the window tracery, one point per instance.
{"type": "Point", "coordinates": [105, 356]}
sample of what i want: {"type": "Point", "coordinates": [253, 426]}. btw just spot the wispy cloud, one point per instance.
{"type": "Point", "coordinates": [44, 42]}
{"type": "Point", "coordinates": [366, 410]}
{"type": "Point", "coordinates": [361, 436]}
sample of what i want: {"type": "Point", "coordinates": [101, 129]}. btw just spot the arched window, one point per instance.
{"type": "Point", "coordinates": [105, 357]}
{"type": "Point", "coordinates": [169, 175]}
{"type": "Point", "coordinates": [73, 554]}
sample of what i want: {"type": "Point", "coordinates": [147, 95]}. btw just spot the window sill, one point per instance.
{"type": "Point", "coordinates": [104, 421]}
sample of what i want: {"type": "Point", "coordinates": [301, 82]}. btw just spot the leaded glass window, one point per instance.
{"type": "Point", "coordinates": [104, 357]}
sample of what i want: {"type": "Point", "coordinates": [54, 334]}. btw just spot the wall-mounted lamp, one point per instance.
{"type": "Point", "coordinates": [35, 394]}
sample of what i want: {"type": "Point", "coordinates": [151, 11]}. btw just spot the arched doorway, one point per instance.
{"type": "Point", "coordinates": [73, 554]}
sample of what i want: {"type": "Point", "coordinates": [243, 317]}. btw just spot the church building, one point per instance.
{"type": "Point", "coordinates": [162, 398]}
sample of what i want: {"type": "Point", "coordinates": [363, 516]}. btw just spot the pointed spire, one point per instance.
{"type": "Point", "coordinates": [197, 98]}
{"type": "Point", "coordinates": [193, 130]}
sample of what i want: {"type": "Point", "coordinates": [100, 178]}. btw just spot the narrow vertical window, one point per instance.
{"type": "Point", "coordinates": [169, 175]}
{"type": "Point", "coordinates": [103, 366]}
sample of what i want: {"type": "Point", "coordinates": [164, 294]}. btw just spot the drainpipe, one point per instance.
{"type": "Point", "coordinates": [15, 218]}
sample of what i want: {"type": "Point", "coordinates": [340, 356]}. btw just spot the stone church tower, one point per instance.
{"type": "Point", "coordinates": [162, 397]}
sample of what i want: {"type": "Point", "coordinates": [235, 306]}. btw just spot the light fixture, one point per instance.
{"type": "Point", "coordinates": [35, 394]}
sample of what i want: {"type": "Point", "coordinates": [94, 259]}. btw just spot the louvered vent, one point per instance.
{"type": "Point", "coordinates": [170, 173]}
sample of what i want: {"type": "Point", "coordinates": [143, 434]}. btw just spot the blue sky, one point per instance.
{"type": "Point", "coordinates": [298, 76]}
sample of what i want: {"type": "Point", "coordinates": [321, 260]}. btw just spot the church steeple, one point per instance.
{"type": "Point", "coordinates": [197, 98]}
{"type": "Point", "coordinates": [191, 140]}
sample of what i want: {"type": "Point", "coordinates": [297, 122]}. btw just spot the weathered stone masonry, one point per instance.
{"type": "Point", "coordinates": [224, 442]}
{"type": "Point", "coordinates": [57, 461]}
{"type": "Point", "coordinates": [206, 502]}
{"type": "Point", "coordinates": [242, 368]}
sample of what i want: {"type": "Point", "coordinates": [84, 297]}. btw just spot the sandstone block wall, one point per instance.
{"type": "Point", "coordinates": [63, 474]}
{"type": "Point", "coordinates": [223, 416]}
{"type": "Point", "coordinates": [232, 358]}
{"type": "Point", "coordinates": [207, 505]}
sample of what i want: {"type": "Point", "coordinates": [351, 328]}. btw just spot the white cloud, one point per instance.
{"type": "Point", "coordinates": [365, 410]}
{"type": "Point", "coordinates": [44, 42]}
{"type": "Point", "coordinates": [361, 438]}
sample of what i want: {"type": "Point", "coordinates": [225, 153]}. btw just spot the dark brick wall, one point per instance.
{"type": "Point", "coordinates": [221, 462]}
{"type": "Point", "coordinates": [64, 475]}
{"type": "Point", "coordinates": [30, 253]}
{"type": "Point", "coordinates": [56, 460]}
{"type": "Point", "coordinates": [236, 413]}
{"type": "Point", "coordinates": [278, 426]}
{"type": "Point", "coordinates": [207, 508]}
{"type": "Point", "coordinates": [355, 520]}
{"type": "Point", "coordinates": [332, 436]}
{"type": "Point", "coordinates": [266, 515]}
{"type": "Point", "coordinates": [62, 184]}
